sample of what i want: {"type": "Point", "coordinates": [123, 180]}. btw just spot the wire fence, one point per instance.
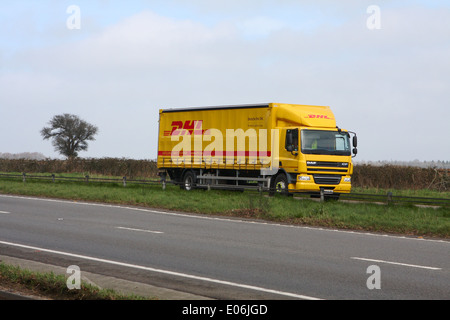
{"type": "Point", "coordinates": [388, 198]}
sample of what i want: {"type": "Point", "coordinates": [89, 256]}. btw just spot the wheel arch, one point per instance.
{"type": "Point", "coordinates": [290, 177]}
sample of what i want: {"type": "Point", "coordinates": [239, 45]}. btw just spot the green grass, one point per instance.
{"type": "Point", "coordinates": [54, 286]}
{"type": "Point", "coordinates": [404, 192]}
{"type": "Point", "coordinates": [400, 219]}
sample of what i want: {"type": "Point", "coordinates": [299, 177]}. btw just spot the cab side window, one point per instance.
{"type": "Point", "coordinates": [291, 140]}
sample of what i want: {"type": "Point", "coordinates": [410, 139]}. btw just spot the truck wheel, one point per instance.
{"type": "Point", "coordinates": [188, 182]}
{"type": "Point", "coordinates": [280, 184]}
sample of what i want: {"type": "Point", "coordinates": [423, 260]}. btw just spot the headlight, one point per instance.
{"type": "Point", "coordinates": [304, 178]}
{"type": "Point", "coordinates": [347, 179]}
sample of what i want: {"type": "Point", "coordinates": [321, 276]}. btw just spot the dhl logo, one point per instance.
{"type": "Point", "coordinates": [189, 127]}
{"type": "Point", "coordinates": [318, 116]}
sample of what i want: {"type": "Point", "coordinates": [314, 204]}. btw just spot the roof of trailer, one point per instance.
{"type": "Point", "coordinates": [240, 106]}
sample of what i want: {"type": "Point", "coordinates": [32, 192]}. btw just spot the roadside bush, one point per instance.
{"type": "Point", "coordinates": [400, 177]}
{"type": "Point", "coordinates": [102, 166]}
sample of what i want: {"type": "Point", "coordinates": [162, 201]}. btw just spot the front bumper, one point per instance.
{"type": "Point", "coordinates": [307, 183]}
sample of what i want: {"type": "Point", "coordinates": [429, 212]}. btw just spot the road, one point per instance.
{"type": "Point", "coordinates": [223, 258]}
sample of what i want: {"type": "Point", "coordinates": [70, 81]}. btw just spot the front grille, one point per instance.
{"type": "Point", "coordinates": [327, 170]}
{"type": "Point", "coordinates": [326, 164]}
{"type": "Point", "coordinates": [315, 166]}
{"type": "Point", "coordinates": [324, 179]}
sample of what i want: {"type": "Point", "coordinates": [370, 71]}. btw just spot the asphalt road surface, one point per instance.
{"type": "Point", "coordinates": [223, 258]}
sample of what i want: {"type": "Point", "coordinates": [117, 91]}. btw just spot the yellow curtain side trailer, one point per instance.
{"type": "Point", "coordinates": [284, 147]}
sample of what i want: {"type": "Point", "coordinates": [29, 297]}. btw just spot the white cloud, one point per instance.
{"type": "Point", "coordinates": [258, 27]}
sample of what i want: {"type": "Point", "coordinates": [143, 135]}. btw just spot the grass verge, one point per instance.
{"type": "Point", "coordinates": [53, 286]}
{"type": "Point", "coordinates": [397, 219]}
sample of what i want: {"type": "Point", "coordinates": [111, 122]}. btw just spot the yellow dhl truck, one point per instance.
{"type": "Point", "coordinates": [285, 148]}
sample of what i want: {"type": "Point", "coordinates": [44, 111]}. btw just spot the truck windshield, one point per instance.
{"type": "Point", "coordinates": [325, 142]}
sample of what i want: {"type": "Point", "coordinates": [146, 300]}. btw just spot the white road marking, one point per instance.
{"type": "Point", "coordinates": [397, 263]}
{"type": "Point", "coordinates": [5, 212]}
{"type": "Point", "coordinates": [178, 274]}
{"type": "Point", "coordinates": [141, 230]}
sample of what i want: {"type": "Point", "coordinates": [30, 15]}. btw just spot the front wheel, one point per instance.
{"type": "Point", "coordinates": [280, 184]}
{"type": "Point", "coordinates": [188, 182]}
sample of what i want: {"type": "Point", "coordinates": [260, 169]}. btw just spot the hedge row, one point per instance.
{"type": "Point", "coordinates": [103, 166]}
{"type": "Point", "coordinates": [386, 177]}
{"type": "Point", "coordinates": [400, 177]}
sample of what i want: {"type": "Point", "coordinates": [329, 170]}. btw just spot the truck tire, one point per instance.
{"type": "Point", "coordinates": [280, 185]}
{"type": "Point", "coordinates": [188, 181]}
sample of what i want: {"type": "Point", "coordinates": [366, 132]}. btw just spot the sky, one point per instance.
{"type": "Point", "coordinates": [382, 66]}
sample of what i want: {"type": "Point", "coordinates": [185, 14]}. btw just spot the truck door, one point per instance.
{"type": "Point", "coordinates": [289, 150]}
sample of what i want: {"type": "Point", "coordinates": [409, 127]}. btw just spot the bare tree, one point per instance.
{"type": "Point", "coordinates": [69, 133]}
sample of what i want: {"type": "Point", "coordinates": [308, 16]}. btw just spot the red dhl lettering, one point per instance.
{"type": "Point", "coordinates": [189, 127]}
{"type": "Point", "coordinates": [318, 116]}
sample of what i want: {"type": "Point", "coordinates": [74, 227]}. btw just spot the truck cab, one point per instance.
{"type": "Point", "coordinates": [317, 159]}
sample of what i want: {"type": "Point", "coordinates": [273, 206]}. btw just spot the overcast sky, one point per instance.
{"type": "Point", "coordinates": [386, 76]}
